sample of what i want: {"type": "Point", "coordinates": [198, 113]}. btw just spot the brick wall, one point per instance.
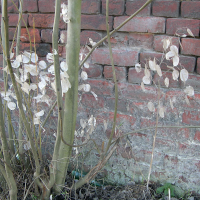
{"type": "Point", "coordinates": [177, 151]}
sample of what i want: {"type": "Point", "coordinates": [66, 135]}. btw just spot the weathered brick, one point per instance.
{"type": "Point", "coordinates": [116, 7]}
{"type": "Point", "coordinates": [175, 24]}
{"type": "Point", "coordinates": [95, 22]}
{"type": "Point", "coordinates": [89, 100]}
{"type": "Point", "coordinates": [186, 61]}
{"type": "Point", "coordinates": [193, 80]}
{"type": "Point", "coordinates": [197, 135]}
{"type": "Point", "coordinates": [101, 87]}
{"type": "Point", "coordinates": [118, 39]}
{"type": "Point", "coordinates": [121, 57]}
{"type": "Point", "coordinates": [130, 91]}
{"type": "Point", "coordinates": [198, 65]}
{"type": "Point", "coordinates": [190, 46]}
{"type": "Point", "coordinates": [44, 21]}
{"type": "Point", "coordinates": [165, 8]}
{"type": "Point", "coordinates": [46, 6]}
{"type": "Point", "coordinates": [46, 35]}
{"type": "Point", "coordinates": [135, 77]}
{"type": "Point", "coordinates": [90, 7]}
{"type": "Point", "coordinates": [119, 71]}
{"type": "Point", "coordinates": [172, 82]}
{"type": "Point", "coordinates": [13, 19]}
{"type": "Point", "coordinates": [191, 117]}
{"type": "Point", "coordinates": [158, 43]}
{"type": "Point", "coordinates": [30, 6]}
{"type": "Point", "coordinates": [41, 49]}
{"type": "Point", "coordinates": [144, 40]}
{"type": "Point", "coordinates": [121, 106]}
{"type": "Point", "coordinates": [11, 7]}
{"type": "Point", "coordinates": [94, 71]}
{"type": "Point", "coordinates": [141, 24]}
{"type": "Point", "coordinates": [133, 6]}
{"type": "Point", "coordinates": [190, 9]}
{"type": "Point", "coordinates": [34, 33]}
{"type": "Point", "coordinates": [85, 35]}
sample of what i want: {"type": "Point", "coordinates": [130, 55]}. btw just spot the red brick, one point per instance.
{"type": "Point", "coordinates": [121, 106]}
{"type": "Point", "coordinates": [13, 19]}
{"type": "Point", "coordinates": [46, 35]}
{"type": "Point", "coordinates": [33, 33]}
{"type": "Point", "coordinates": [197, 136]}
{"type": "Point", "coordinates": [191, 117]}
{"type": "Point", "coordinates": [95, 22]}
{"type": "Point", "coordinates": [90, 101]}
{"type": "Point", "coordinates": [141, 24]}
{"type": "Point", "coordinates": [44, 21]}
{"type": "Point", "coordinates": [118, 39]}
{"type": "Point", "coordinates": [193, 80]}
{"type": "Point", "coordinates": [41, 49]}
{"type": "Point", "coordinates": [30, 6]}
{"type": "Point", "coordinates": [165, 8]}
{"type": "Point", "coordinates": [121, 57]}
{"type": "Point", "coordinates": [198, 65]}
{"type": "Point", "coordinates": [116, 7]}
{"type": "Point", "coordinates": [135, 77]}
{"type": "Point", "coordinates": [46, 6]}
{"type": "Point", "coordinates": [133, 6]}
{"type": "Point", "coordinates": [11, 7]}
{"type": "Point", "coordinates": [85, 35]}
{"type": "Point", "coordinates": [131, 91]}
{"type": "Point", "coordinates": [144, 40]}
{"type": "Point", "coordinates": [172, 82]}
{"type": "Point", "coordinates": [175, 24]}
{"type": "Point", "coordinates": [101, 87]}
{"type": "Point", "coordinates": [158, 43]}
{"type": "Point", "coordinates": [90, 7]}
{"type": "Point", "coordinates": [190, 9]}
{"type": "Point", "coordinates": [94, 71]}
{"type": "Point", "coordinates": [186, 61]}
{"type": "Point", "coordinates": [119, 71]}
{"type": "Point", "coordinates": [190, 46]}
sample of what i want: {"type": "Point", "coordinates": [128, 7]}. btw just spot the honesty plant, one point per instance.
{"type": "Point", "coordinates": [178, 70]}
